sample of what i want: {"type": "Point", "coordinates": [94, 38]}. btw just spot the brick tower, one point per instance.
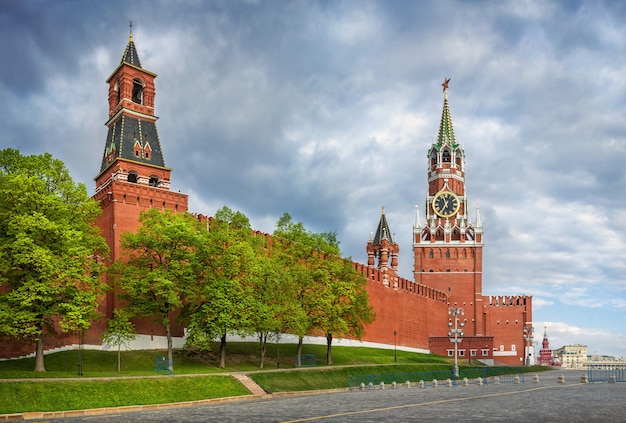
{"type": "Point", "coordinates": [546, 357]}
{"type": "Point", "coordinates": [448, 247]}
{"type": "Point", "coordinates": [133, 176]}
{"type": "Point", "coordinates": [382, 252]}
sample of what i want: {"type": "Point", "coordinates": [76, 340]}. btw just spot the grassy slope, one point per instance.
{"type": "Point", "coordinates": [113, 390]}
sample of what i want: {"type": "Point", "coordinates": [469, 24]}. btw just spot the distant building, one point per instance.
{"type": "Point", "coordinates": [605, 362]}
{"type": "Point", "coordinates": [546, 356]}
{"type": "Point", "coordinates": [572, 356]}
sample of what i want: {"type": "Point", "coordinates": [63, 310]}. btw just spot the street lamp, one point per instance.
{"type": "Point", "coordinates": [395, 357]}
{"type": "Point", "coordinates": [456, 334]}
{"type": "Point", "coordinates": [528, 342]}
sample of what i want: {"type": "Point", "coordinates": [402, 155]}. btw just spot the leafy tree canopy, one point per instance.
{"type": "Point", "coordinates": [159, 266]}
{"type": "Point", "coordinates": [49, 246]}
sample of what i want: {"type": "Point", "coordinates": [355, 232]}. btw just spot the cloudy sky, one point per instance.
{"type": "Point", "coordinates": [325, 110]}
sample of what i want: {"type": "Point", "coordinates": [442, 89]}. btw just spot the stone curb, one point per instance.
{"type": "Point", "coordinates": [33, 415]}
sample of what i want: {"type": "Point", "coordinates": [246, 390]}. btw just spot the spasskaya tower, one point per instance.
{"type": "Point", "coordinates": [447, 246]}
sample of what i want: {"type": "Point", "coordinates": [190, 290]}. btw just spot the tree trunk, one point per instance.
{"type": "Point", "coordinates": [223, 351]}
{"type": "Point", "coordinates": [170, 349]}
{"type": "Point", "coordinates": [262, 341]}
{"type": "Point", "coordinates": [39, 366]}
{"type": "Point", "coordinates": [329, 344]}
{"type": "Point", "coordinates": [119, 358]}
{"type": "Point", "coordinates": [299, 351]}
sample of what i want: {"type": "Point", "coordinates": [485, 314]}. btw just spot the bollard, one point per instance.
{"type": "Point", "coordinates": [612, 379]}
{"type": "Point", "coordinates": [371, 385]}
{"type": "Point", "coordinates": [408, 384]}
{"type": "Point", "coordinates": [561, 379]}
{"type": "Point", "coordinates": [434, 383]}
{"type": "Point", "coordinates": [465, 381]}
{"type": "Point", "coordinates": [394, 385]}
{"type": "Point", "coordinates": [362, 386]}
{"type": "Point", "coordinates": [496, 380]}
{"type": "Point", "coordinates": [479, 380]}
{"type": "Point", "coordinates": [584, 378]}
{"type": "Point", "coordinates": [516, 380]}
{"type": "Point", "coordinates": [449, 382]}
{"type": "Point", "coordinates": [422, 385]}
{"type": "Point", "coordinates": [536, 378]}
{"type": "Point", "coordinates": [382, 385]}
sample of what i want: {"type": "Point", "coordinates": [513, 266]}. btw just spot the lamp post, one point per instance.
{"type": "Point", "coordinates": [277, 350]}
{"type": "Point", "coordinates": [456, 334]}
{"type": "Point", "coordinates": [528, 342]}
{"type": "Point", "coordinates": [395, 357]}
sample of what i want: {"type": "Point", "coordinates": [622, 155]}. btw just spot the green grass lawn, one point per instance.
{"type": "Point", "coordinates": [136, 383]}
{"type": "Point", "coordinates": [241, 357]}
{"type": "Point", "coordinates": [19, 397]}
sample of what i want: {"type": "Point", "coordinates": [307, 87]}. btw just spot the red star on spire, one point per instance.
{"type": "Point", "coordinates": [446, 81]}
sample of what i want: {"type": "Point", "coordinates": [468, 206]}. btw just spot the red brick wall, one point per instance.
{"type": "Point", "coordinates": [506, 317]}
{"type": "Point", "coordinates": [411, 309]}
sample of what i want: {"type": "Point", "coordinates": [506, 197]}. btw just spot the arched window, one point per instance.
{"type": "Point", "coordinates": [446, 156]}
{"type": "Point", "coordinates": [433, 159]}
{"type": "Point", "coordinates": [154, 181]}
{"type": "Point", "coordinates": [132, 177]}
{"type": "Point", "coordinates": [116, 88]}
{"type": "Point", "coordinates": [137, 91]}
{"type": "Point", "coordinates": [431, 254]}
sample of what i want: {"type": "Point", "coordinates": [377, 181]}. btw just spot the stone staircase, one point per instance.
{"type": "Point", "coordinates": [249, 383]}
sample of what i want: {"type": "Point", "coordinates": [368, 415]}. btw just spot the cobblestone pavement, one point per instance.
{"type": "Point", "coordinates": [545, 401]}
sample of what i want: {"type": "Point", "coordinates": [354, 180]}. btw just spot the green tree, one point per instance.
{"type": "Point", "coordinates": [331, 295]}
{"type": "Point", "coordinates": [343, 302]}
{"type": "Point", "coordinates": [120, 331]}
{"type": "Point", "coordinates": [160, 261]}
{"type": "Point", "coordinates": [48, 246]}
{"type": "Point", "coordinates": [295, 248]}
{"type": "Point", "coordinates": [270, 297]}
{"type": "Point", "coordinates": [217, 300]}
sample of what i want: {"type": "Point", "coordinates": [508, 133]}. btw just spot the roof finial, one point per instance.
{"type": "Point", "coordinates": [446, 81]}
{"type": "Point", "coordinates": [383, 209]}
{"type": "Point", "coordinates": [130, 38]}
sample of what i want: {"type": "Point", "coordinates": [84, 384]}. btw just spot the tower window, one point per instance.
{"type": "Point", "coordinates": [446, 156]}
{"type": "Point", "coordinates": [116, 88]}
{"type": "Point", "coordinates": [137, 91]}
{"type": "Point", "coordinates": [132, 177]}
{"type": "Point", "coordinates": [448, 254]}
{"type": "Point", "coordinates": [154, 181]}
{"type": "Point", "coordinates": [431, 254]}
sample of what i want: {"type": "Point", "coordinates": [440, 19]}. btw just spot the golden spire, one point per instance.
{"type": "Point", "coordinates": [130, 38]}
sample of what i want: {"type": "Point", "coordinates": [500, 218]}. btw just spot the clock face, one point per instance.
{"type": "Point", "coordinates": [446, 204]}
